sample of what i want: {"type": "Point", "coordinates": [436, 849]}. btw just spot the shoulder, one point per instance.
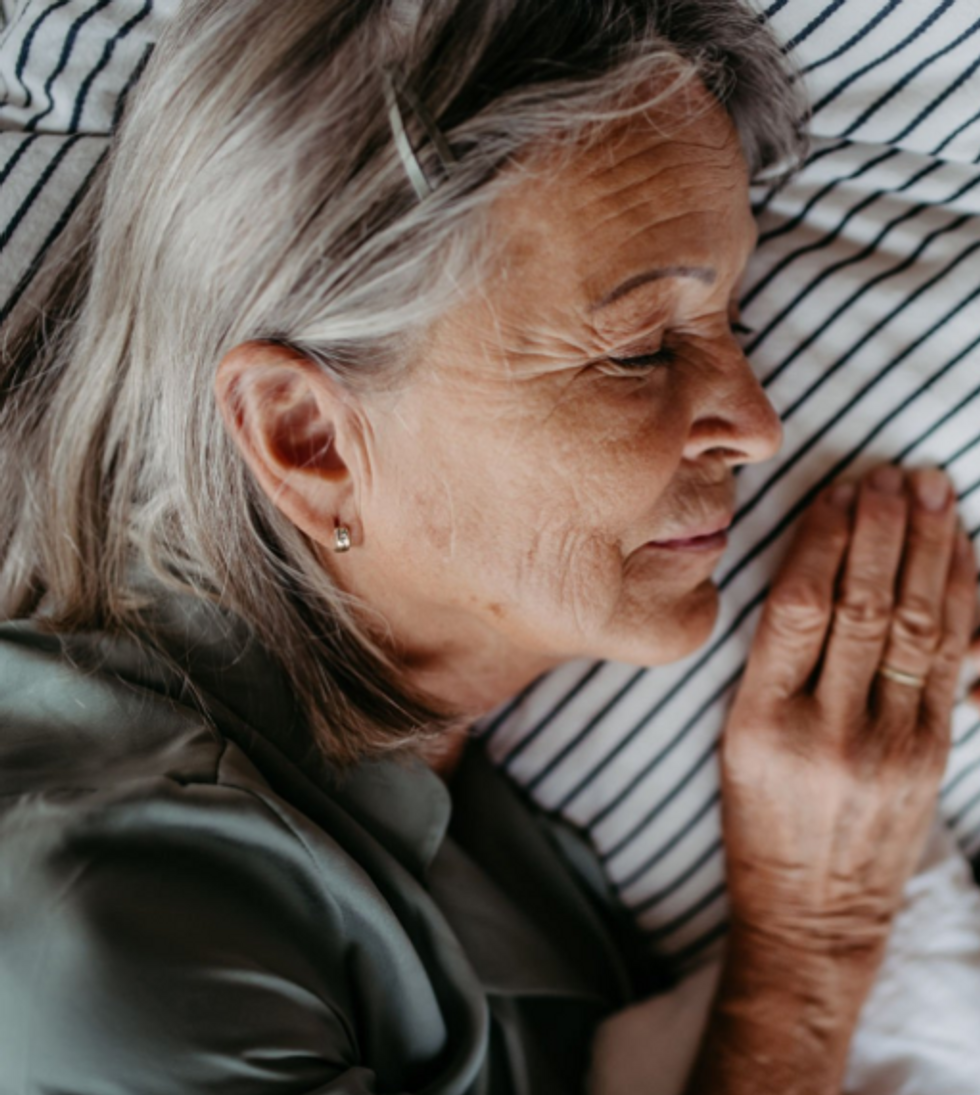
{"type": "Point", "coordinates": [168, 923]}
{"type": "Point", "coordinates": [172, 918]}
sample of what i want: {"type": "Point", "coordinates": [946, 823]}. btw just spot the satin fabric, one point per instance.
{"type": "Point", "coordinates": [192, 900]}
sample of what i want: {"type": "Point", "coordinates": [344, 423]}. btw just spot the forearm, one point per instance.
{"type": "Point", "coordinates": [781, 1023]}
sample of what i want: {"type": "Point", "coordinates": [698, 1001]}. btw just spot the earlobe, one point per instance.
{"type": "Point", "coordinates": [290, 422]}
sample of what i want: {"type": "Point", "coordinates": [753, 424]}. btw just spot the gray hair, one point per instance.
{"type": "Point", "coordinates": [254, 192]}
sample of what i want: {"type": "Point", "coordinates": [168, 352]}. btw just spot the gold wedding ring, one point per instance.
{"type": "Point", "coordinates": [901, 678]}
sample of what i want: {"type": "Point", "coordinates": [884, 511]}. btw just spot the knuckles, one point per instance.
{"type": "Point", "coordinates": [864, 612]}
{"type": "Point", "coordinates": [915, 625]}
{"type": "Point", "coordinates": [796, 605]}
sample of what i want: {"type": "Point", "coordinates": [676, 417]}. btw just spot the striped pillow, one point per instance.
{"type": "Point", "coordinates": [65, 68]}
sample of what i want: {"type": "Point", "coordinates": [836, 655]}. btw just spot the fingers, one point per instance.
{"type": "Point", "coordinates": [918, 622]}
{"type": "Point", "coordinates": [891, 586]}
{"type": "Point", "coordinates": [791, 635]}
{"type": "Point", "coordinates": [973, 653]}
{"type": "Point", "coordinates": [959, 617]}
{"type": "Point", "coordinates": [863, 612]}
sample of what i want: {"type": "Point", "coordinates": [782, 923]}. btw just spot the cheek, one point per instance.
{"type": "Point", "coordinates": [422, 518]}
{"type": "Point", "coordinates": [446, 506]}
{"type": "Point", "coordinates": [622, 450]}
{"type": "Point", "coordinates": [528, 525]}
{"type": "Point", "coordinates": [510, 523]}
{"type": "Point", "coordinates": [584, 496]}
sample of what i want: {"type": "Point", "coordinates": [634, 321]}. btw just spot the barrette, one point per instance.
{"type": "Point", "coordinates": [395, 88]}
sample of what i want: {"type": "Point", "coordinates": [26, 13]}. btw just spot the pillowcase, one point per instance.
{"type": "Point", "coordinates": [65, 69]}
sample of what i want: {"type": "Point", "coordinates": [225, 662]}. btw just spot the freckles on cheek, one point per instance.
{"type": "Point", "coordinates": [428, 489]}
{"type": "Point", "coordinates": [571, 574]}
{"type": "Point", "coordinates": [446, 523]}
{"type": "Point", "coordinates": [426, 525]}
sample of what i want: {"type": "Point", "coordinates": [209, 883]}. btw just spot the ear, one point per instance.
{"type": "Point", "coordinates": [295, 427]}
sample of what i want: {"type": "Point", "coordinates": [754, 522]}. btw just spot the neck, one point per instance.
{"type": "Point", "coordinates": [466, 665]}
{"type": "Point", "coordinates": [472, 682]}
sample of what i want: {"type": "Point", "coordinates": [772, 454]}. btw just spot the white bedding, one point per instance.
{"type": "Point", "coordinates": [920, 1029]}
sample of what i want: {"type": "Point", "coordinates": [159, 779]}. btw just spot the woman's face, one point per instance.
{"type": "Point", "coordinates": [553, 480]}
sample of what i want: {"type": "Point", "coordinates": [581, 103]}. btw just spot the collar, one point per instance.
{"type": "Point", "coordinates": [85, 682]}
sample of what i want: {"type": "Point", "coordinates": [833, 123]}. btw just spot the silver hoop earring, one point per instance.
{"type": "Point", "coordinates": [341, 540]}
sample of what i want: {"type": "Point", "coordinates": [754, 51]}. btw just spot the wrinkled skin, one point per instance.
{"type": "Point", "coordinates": [517, 479]}
{"type": "Point", "coordinates": [830, 774]}
{"type": "Point", "coordinates": [831, 769]}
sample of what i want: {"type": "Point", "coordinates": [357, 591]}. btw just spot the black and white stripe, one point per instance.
{"type": "Point", "coordinates": [66, 66]}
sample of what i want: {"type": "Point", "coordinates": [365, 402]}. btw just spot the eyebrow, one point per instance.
{"type": "Point", "coordinates": [706, 274]}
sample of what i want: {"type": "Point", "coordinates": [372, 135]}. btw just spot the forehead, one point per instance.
{"type": "Point", "coordinates": [668, 191]}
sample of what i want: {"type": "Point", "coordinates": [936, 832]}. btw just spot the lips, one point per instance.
{"type": "Point", "coordinates": [709, 536]}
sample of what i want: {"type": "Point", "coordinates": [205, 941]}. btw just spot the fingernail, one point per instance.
{"type": "Point", "coordinates": [842, 495]}
{"type": "Point", "coordinates": [932, 489]}
{"type": "Point", "coordinates": [887, 479]}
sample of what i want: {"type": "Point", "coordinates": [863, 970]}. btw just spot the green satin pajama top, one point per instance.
{"type": "Point", "coordinates": [192, 900]}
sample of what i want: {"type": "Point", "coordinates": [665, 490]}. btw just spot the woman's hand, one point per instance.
{"type": "Point", "coordinates": [974, 654]}
{"type": "Point", "coordinates": [831, 769]}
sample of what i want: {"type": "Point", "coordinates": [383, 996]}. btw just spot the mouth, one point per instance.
{"type": "Point", "coordinates": [709, 537]}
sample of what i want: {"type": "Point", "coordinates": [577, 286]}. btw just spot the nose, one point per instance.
{"type": "Point", "coordinates": [733, 419]}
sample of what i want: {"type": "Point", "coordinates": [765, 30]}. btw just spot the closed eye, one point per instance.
{"type": "Point", "coordinates": [646, 361]}
{"type": "Point", "coordinates": [666, 355]}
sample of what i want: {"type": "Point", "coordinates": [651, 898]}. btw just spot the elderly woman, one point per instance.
{"type": "Point", "coordinates": [391, 364]}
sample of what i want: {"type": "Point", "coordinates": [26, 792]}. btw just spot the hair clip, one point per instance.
{"type": "Point", "coordinates": [395, 87]}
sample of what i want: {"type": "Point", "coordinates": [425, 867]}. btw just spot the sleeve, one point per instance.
{"type": "Point", "coordinates": [155, 949]}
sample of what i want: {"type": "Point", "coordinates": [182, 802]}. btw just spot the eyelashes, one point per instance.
{"type": "Point", "coordinates": [645, 361]}
{"type": "Point", "coordinates": [665, 356]}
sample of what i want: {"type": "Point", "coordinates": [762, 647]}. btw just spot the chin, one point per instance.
{"type": "Point", "coordinates": [679, 631]}
{"type": "Point", "coordinates": [702, 621]}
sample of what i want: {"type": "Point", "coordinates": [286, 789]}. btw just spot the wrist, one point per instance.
{"type": "Point", "coordinates": [794, 1005]}
{"type": "Point", "coordinates": [783, 1016]}
{"type": "Point", "coordinates": [829, 964]}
